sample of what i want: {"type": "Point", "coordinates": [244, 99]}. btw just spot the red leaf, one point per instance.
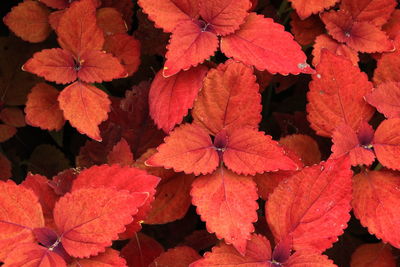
{"type": "Point", "coordinates": [89, 219]}
{"type": "Point", "coordinates": [42, 108]}
{"type": "Point", "coordinates": [307, 259]}
{"type": "Point", "coordinates": [247, 151]}
{"type": "Point", "coordinates": [172, 199]}
{"type": "Point", "coordinates": [189, 46]}
{"type": "Point", "coordinates": [268, 181]}
{"type": "Point", "coordinates": [121, 154]}
{"type": "Point", "coordinates": [98, 66]}
{"type": "Point", "coordinates": [56, 4]}
{"type": "Point", "coordinates": [62, 182]}
{"type": "Point", "coordinates": [6, 132]}
{"type": "Point", "coordinates": [188, 148]}
{"type": "Point", "coordinates": [29, 20]}
{"type": "Point", "coordinates": [264, 44]}
{"type": "Point", "coordinates": [33, 255]}
{"type": "Point", "coordinates": [21, 212]}
{"type": "Point", "coordinates": [387, 68]}
{"type": "Point", "coordinates": [377, 254]}
{"type": "Point", "coordinates": [376, 12]}
{"type": "Point", "coordinates": [224, 17]}
{"type": "Point", "coordinates": [227, 203]}
{"type": "Point", "coordinates": [305, 31]}
{"type": "Point", "coordinates": [141, 251]}
{"type": "Point", "coordinates": [312, 206]}
{"type": "Point", "coordinates": [171, 98]}
{"type": "Point", "coordinates": [356, 144]}
{"type": "Point", "coordinates": [304, 146]}
{"type": "Point", "coordinates": [305, 8]}
{"type": "Point", "coordinates": [386, 99]}
{"type": "Point", "coordinates": [376, 204]}
{"type": "Point", "coordinates": [167, 14]}
{"type": "Point", "coordinates": [362, 36]}
{"type": "Point", "coordinates": [55, 65]}
{"type": "Point", "coordinates": [126, 49]}
{"type": "Point", "coordinates": [110, 21]}
{"type": "Point", "coordinates": [177, 257]}
{"type": "Point", "coordinates": [229, 99]}
{"type": "Point", "coordinates": [337, 95]}
{"type": "Point", "coordinates": [13, 117]}
{"type": "Point", "coordinates": [392, 27]}
{"type": "Point", "coordinates": [110, 258]}
{"type": "Point", "coordinates": [85, 107]}
{"type": "Point", "coordinates": [258, 254]}
{"type": "Point", "coordinates": [77, 30]}
{"type": "Point", "coordinates": [387, 143]}
{"type": "Point", "coordinates": [5, 168]}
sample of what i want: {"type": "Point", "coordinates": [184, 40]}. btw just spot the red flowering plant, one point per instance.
{"type": "Point", "coordinates": [195, 133]}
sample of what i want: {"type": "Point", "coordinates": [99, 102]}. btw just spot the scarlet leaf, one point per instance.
{"type": "Point", "coordinates": [55, 65]}
{"type": "Point", "coordinates": [392, 26]}
{"type": "Point", "coordinates": [224, 17]}
{"type": "Point", "coordinates": [21, 212]}
{"type": "Point", "coordinates": [264, 44]}
{"type": "Point", "coordinates": [188, 148]}
{"type": "Point", "coordinates": [258, 254]}
{"type": "Point", "coordinates": [268, 181]}
{"type": "Point", "coordinates": [362, 36]}
{"type": "Point", "coordinates": [387, 143]}
{"type": "Point", "coordinates": [33, 255]}
{"type": "Point", "coordinates": [312, 206]}
{"type": "Point", "coordinates": [110, 258]}
{"type": "Point", "coordinates": [62, 182]}
{"type": "Point", "coordinates": [337, 95]}
{"type": "Point", "coordinates": [373, 255]}
{"type": "Point", "coordinates": [85, 107]}
{"type": "Point", "coordinates": [189, 46]}
{"type": "Point", "coordinates": [304, 146]}
{"type": "Point", "coordinates": [179, 257]}
{"type": "Point", "coordinates": [167, 14]}
{"type": "Point", "coordinates": [375, 203]}
{"type": "Point", "coordinates": [29, 20]}
{"type": "Point", "coordinates": [248, 151]}
{"type": "Point", "coordinates": [77, 30]}
{"type": "Point", "coordinates": [171, 98]}
{"type": "Point", "coordinates": [229, 99]}
{"type": "Point", "coordinates": [306, 7]}
{"type": "Point", "coordinates": [110, 21]}
{"type": "Point", "coordinates": [42, 108]}
{"type": "Point", "coordinates": [89, 219]}
{"type": "Point", "coordinates": [386, 99]}
{"type": "Point", "coordinates": [121, 154]}
{"type": "Point", "coordinates": [141, 250]}
{"type": "Point", "coordinates": [5, 168]}
{"type": "Point", "coordinates": [387, 68]}
{"type": "Point", "coordinates": [227, 203]}
{"type": "Point", "coordinates": [307, 259]}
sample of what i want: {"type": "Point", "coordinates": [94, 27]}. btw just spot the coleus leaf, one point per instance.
{"type": "Point", "coordinates": [12, 116]}
{"type": "Point", "coordinates": [33, 255]}
{"type": "Point", "coordinates": [167, 14]}
{"type": "Point", "coordinates": [110, 21]}
{"type": "Point", "coordinates": [305, 31]}
{"type": "Point", "coordinates": [337, 95]}
{"type": "Point", "coordinates": [229, 99]}
{"type": "Point", "coordinates": [386, 143]}
{"type": "Point", "coordinates": [85, 107]}
{"type": "Point", "coordinates": [271, 49]}
{"type": "Point", "coordinates": [29, 20]}
{"type": "Point", "coordinates": [386, 98]}
{"type": "Point", "coordinates": [387, 67]}
{"type": "Point", "coordinates": [21, 214]}
{"type": "Point", "coordinates": [375, 203]}
{"type": "Point", "coordinates": [378, 254]}
{"type": "Point", "coordinates": [171, 98]}
{"type": "Point", "coordinates": [121, 154]}
{"type": "Point", "coordinates": [306, 8]}
{"type": "Point", "coordinates": [5, 168]}
{"type": "Point", "coordinates": [42, 108]}
{"type": "Point", "coordinates": [312, 206]}
{"type": "Point", "coordinates": [190, 44]}
{"type": "Point", "coordinates": [90, 218]}
{"type": "Point", "coordinates": [179, 256]}
{"type": "Point", "coordinates": [227, 203]}
{"type": "Point", "coordinates": [110, 258]}
{"type": "Point", "coordinates": [304, 146]}
{"type": "Point", "coordinates": [392, 26]}
{"type": "Point", "coordinates": [6, 132]}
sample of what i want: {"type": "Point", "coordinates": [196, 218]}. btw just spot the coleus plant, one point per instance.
{"type": "Point", "coordinates": [269, 203]}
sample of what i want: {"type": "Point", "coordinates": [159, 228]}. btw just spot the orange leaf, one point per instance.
{"type": "Point", "coordinates": [307, 259]}
{"type": "Point", "coordinates": [190, 45]}
{"type": "Point", "coordinates": [42, 108]}
{"type": "Point", "coordinates": [312, 206]}
{"type": "Point", "coordinates": [305, 31]}
{"type": "Point", "coordinates": [387, 143]}
{"type": "Point", "coordinates": [110, 21]}
{"type": "Point", "coordinates": [337, 95]}
{"type": "Point", "coordinates": [373, 255]}
{"type": "Point", "coordinates": [392, 27]}
{"type": "Point", "coordinates": [121, 154]}
{"type": "Point", "coordinates": [29, 20]}
{"type": "Point", "coordinates": [13, 117]}
{"type": "Point", "coordinates": [56, 4]}
{"type": "Point", "coordinates": [306, 8]}
{"type": "Point", "coordinates": [227, 203]}
{"type": "Point", "coordinates": [386, 99]}
{"type": "Point", "coordinates": [188, 148]}
{"type": "Point", "coordinates": [177, 257]}
{"type": "Point", "coordinates": [271, 48]}
{"type": "Point", "coordinates": [110, 258]}
{"type": "Point", "coordinates": [85, 107]}
{"type": "Point", "coordinates": [304, 146]}
{"type": "Point", "coordinates": [229, 99]}
{"type": "Point", "coordinates": [33, 255]}
{"type": "Point", "coordinates": [89, 219]}
{"type": "Point", "coordinates": [388, 66]}
{"type": "Point", "coordinates": [171, 98]}
{"type": "Point", "coordinates": [167, 14]}
{"type": "Point", "coordinates": [376, 204]}
{"type": "Point", "coordinates": [21, 213]}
